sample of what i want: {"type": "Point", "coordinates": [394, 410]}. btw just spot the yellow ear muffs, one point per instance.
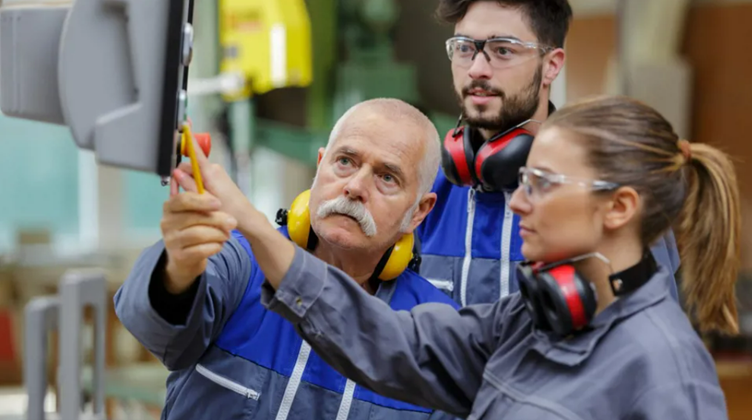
{"type": "Point", "coordinates": [400, 256]}
{"type": "Point", "coordinates": [298, 220]}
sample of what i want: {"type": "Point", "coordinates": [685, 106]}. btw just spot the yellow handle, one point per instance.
{"type": "Point", "coordinates": [188, 142]}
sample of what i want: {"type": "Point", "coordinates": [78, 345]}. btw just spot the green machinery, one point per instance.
{"type": "Point", "coordinates": [353, 60]}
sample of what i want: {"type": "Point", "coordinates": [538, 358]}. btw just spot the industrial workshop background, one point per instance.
{"type": "Point", "coordinates": [299, 66]}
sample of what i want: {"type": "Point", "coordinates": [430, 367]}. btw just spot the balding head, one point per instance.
{"type": "Point", "coordinates": [400, 114]}
{"type": "Point", "coordinates": [377, 169]}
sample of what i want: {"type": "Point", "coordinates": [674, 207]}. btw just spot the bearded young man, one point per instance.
{"type": "Point", "coordinates": [505, 54]}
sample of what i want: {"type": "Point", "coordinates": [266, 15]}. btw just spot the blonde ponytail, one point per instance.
{"type": "Point", "coordinates": [709, 238]}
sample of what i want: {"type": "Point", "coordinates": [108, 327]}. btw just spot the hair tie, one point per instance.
{"type": "Point", "coordinates": [686, 149]}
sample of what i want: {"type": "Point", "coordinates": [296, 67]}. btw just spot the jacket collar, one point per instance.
{"type": "Point", "coordinates": [574, 349]}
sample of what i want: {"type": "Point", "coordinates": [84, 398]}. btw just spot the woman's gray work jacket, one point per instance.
{"type": "Point", "coordinates": [640, 360]}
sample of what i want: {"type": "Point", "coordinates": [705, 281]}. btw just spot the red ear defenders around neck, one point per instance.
{"type": "Point", "coordinates": [494, 166]}
{"type": "Point", "coordinates": [557, 296]}
{"type": "Point", "coordinates": [560, 299]}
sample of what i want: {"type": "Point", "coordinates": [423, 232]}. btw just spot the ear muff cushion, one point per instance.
{"type": "Point", "coordinates": [531, 294]}
{"type": "Point", "coordinates": [566, 277]}
{"type": "Point", "coordinates": [399, 258]}
{"type": "Point", "coordinates": [299, 219]}
{"type": "Point", "coordinates": [564, 302]}
{"type": "Point", "coordinates": [498, 161]}
{"type": "Point", "coordinates": [454, 160]}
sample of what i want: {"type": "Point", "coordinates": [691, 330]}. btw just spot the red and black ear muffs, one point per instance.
{"type": "Point", "coordinates": [560, 299]}
{"type": "Point", "coordinates": [557, 296]}
{"type": "Point", "coordinates": [495, 166]}
{"type": "Point", "coordinates": [457, 157]}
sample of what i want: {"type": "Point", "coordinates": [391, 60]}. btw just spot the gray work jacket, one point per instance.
{"type": "Point", "coordinates": [641, 359]}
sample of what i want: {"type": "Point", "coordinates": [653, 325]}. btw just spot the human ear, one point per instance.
{"type": "Point", "coordinates": [553, 64]}
{"type": "Point", "coordinates": [424, 207]}
{"type": "Point", "coordinates": [321, 155]}
{"type": "Point", "coordinates": [621, 208]}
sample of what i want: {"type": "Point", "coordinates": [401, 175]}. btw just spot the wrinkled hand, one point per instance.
{"type": "Point", "coordinates": [216, 181]}
{"type": "Point", "coordinates": [273, 250]}
{"type": "Point", "coordinates": [193, 229]}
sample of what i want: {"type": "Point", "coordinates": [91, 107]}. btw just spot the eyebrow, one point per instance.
{"type": "Point", "coordinates": [344, 150]}
{"type": "Point", "coordinates": [491, 37]}
{"type": "Point", "coordinates": [391, 167]}
{"type": "Point", "coordinates": [395, 170]}
{"type": "Point", "coordinates": [545, 169]}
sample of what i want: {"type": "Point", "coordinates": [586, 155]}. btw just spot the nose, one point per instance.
{"type": "Point", "coordinates": [480, 67]}
{"type": "Point", "coordinates": [519, 202]}
{"type": "Point", "coordinates": [356, 187]}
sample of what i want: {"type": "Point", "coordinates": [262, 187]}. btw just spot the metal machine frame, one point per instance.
{"type": "Point", "coordinates": [64, 313]}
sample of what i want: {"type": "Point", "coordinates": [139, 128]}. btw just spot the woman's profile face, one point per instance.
{"type": "Point", "coordinates": [560, 216]}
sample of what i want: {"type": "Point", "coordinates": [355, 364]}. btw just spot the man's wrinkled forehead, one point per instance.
{"type": "Point", "coordinates": [381, 131]}
{"type": "Point", "coordinates": [363, 123]}
{"type": "Point", "coordinates": [396, 144]}
{"type": "Point", "coordinates": [489, 19]}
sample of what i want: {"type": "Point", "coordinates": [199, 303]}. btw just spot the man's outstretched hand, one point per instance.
{"type": "Point", "coordinates": [217, 182]}
{"type": "Point", "coordinates": [273, 251]}
{"type": "Point", "coordinates": [193, 229]}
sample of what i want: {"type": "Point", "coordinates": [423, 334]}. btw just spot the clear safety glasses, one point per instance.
{"type": "Point", "coordinates": [499, 52]}
{"type": "Point", "coordinates": [536, 183]}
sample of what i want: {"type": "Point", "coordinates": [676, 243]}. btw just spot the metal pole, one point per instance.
{"type": "Point", "coordinates": [77, 290]}
{"type": "Point", "coordinates": [41, 318]}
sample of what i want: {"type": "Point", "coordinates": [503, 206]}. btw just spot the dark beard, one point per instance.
{"type": "Point", "coordinates": [514, 109]}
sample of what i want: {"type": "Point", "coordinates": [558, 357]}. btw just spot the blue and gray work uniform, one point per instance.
{"type": "Point", "coordinates": [470, 244]}
{"type": "Point", "coordinates": [232, 358]}
{"type": "Point", "coordinates": [640, 359]}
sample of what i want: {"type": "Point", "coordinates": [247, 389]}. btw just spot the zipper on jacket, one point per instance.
{"type": "Point", "coordinates": [226, 383]}
{"type": "Point", "coordinates": [506, 246]}
{"type": "Point", "coordinates": [347, 399]}
{"type": "Point", "coordinates": [294, 382]}
{"type": "Point", "coordinates": [468, 245]}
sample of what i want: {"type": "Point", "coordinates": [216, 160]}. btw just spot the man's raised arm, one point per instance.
{"type": "Point", "coordinates": [183, 289]}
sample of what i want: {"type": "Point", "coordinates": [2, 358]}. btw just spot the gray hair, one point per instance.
{"type": "Point", "coordinates": [400, 111]}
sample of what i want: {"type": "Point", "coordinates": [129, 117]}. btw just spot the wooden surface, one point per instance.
{"type": "Point", "coordinates": [736, 381]}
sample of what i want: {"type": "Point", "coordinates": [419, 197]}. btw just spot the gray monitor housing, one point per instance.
{"type": "Point", "coordinates": [113, 71]}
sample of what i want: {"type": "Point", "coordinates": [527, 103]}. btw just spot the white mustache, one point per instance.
{"type": "Point", "coordinates": [352, 208]}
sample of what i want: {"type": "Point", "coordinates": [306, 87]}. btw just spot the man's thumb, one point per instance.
{"type": "Point", "coordinates": [184, 180]}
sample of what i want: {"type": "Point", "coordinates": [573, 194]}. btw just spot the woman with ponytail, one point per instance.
{"type": "Point", "coordinates": [689, 186]}
{"type": "Point", "coordinates": [594, 333]}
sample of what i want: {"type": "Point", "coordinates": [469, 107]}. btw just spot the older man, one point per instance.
{"type": "Point", "coordinates": [193, 299]}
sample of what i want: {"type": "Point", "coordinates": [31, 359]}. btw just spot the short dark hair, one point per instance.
{"type": "Point", "coordinates": [549, 19]}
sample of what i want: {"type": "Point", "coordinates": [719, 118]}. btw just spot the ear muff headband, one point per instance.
{"type": "Point", "coordinates": [398, 257]}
